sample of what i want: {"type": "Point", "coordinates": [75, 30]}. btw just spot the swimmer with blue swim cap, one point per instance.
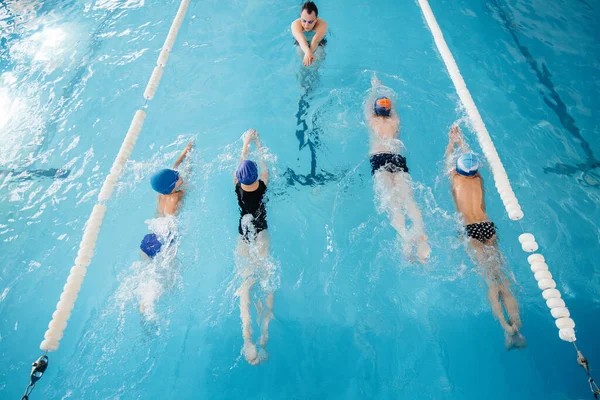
{"type": "Point", "coordinates": [467, 164]}
{"type": "Point", "coordinates": [467, 188]}
{"type": "Point", "coordinates": [253, 243]}
{"type": "Point", "coordinates": [150, 245]}
{"type": "Point", "coordinates": [166, 183]}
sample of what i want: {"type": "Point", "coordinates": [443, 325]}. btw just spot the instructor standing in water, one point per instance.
{"type": "Point", "coordinates": [309, 31]}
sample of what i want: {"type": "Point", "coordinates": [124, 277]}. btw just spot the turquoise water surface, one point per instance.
{"type": "Point", "coordinates": [354, 319]}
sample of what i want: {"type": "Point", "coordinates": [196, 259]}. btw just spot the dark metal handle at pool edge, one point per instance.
{"type": "Point", "coordinates": [37, 371]}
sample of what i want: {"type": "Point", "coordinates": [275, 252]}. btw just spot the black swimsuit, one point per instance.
{"type": "Point", "coordinates": [389, 162]}
{"type": "Point", "coordinates": [482, 231]}
{"type": "Point", "coordinates": [252, 203]}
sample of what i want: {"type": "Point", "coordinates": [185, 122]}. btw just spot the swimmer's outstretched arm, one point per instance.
{"type": "Point", "coordinates": [297, 33]}
{"type": "Point", "coordinates": [247, 137]}
{"type": "Point", "coordinates": [389, 129]}
{"type": "Point", "coordinates": [455, 138]}
{"type": "Point", "coordinates": [183, 154]}
{"type": "Point", "coordinates": [320, 32]}
{"type": "Point", "coordinates": [369, 115]}
{"type": "Point", "coordinates": [264, 170]}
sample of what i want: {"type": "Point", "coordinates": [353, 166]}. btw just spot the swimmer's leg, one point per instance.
{"type": "Point", "coordinates": [383, 186]}
{"type": "Point", "coordinates": [243, 292]}
{"type": "Point", "coordinates": [494, 296]}
{"type": "Point", "coordinates": [263, 240]}
{"type": "Point", "coordinates": [249, 348]}
{"type": "Point", "coordinates": [243, 248]}
{"type": "Point", "coordinates": [262, 244]}
{"type": "Point", "coordinates": [513, 340]}
{"type": "Point", "coordinates": [499, 293]}
{"type": "Point", "coordinates": [264, 336]}
{"type": "Point", "coordinates": [404, 195]}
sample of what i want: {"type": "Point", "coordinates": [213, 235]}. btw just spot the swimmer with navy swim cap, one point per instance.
{"type": "Point", "coordinates": [467, 188]}
{"type": "Point", "coordinates": [253, 243]}
{"type": "Point", "coordinates": [391, 180]}
{"type": "Point", "coordinates": [167, 183]}
{"type": "Point", "coordinates": [309, 31]}
{"type": "Point", "coordinates": [151, 245]}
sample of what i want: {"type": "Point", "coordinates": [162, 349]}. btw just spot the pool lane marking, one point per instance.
{"type": "Point", "coordinates": [87, 245]}
{"type": "Point", "coordinates": [537, 262]}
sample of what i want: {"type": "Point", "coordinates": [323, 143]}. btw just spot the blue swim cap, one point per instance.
{"type": "Point", "coordinates": [164, 181]}
{"type": "Point", "coordinates": [467, 164]}
{"type": "Point", "coordinates": [151, 245]}
{"type": "Point", "coordinates": [247, 172]}
{"type": "Point", "coordinates": [382, 107]}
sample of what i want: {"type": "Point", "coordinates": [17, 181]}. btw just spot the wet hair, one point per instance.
{"type": "Point", "coordinates": [310, 8]}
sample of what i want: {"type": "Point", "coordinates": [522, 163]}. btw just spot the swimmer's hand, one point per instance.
{"type": "Point", "coordinates": [455, 134]}
{"type": "Point", "coordinates": [308, 58]}
{"type": "Point", "coordinates": [375, 81]}
{"type": "Point", "coordinates": [183, 154]}
{"type": "Point", "coordinates": [249, 135]}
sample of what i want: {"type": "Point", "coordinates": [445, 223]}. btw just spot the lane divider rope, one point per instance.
{"type": "Point", "coordinates": [537, 262]}
{"type": "Point", "coordinates": [61, 315]}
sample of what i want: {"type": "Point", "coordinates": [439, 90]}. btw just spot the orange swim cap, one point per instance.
{"type": "Point", "coordinates": [382, 107]}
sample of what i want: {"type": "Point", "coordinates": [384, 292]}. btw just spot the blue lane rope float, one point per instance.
{"type": "Point", "coordinates": [61, 315]}
{"type": "Point", "coordinates": [537, 262]}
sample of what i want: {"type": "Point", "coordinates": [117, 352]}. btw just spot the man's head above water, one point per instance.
{"type": "Point", "coordinates": [308, 15]}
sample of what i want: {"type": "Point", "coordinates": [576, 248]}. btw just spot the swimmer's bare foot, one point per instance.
{"type": "Point", "coordinates": [423, 249]}
{"type": "Point", "coordinates": [142, 307]}
{"type": "Point", "coordinates": [514, 340]}
{"type": "Point", "coordinates": [263, 355]}
{"type": "Point", "coordinates": [250, 353]}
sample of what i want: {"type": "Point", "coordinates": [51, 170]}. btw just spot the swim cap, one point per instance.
{"type": "Point", "coordinates": [382, 107]}
{"type": "Point", "coordinates": [467, 164]}
{"type": "Point", "coordinates": [164, 181]}
{"type": "Point", "coordinates": [151, 245]}
{"type": "Point", "coordinates": [247, 172]}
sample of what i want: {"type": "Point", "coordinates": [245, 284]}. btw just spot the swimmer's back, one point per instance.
{"type": "Point", "coordinates": [252, 202]}
{"type": "Point", "coordinates": [468, 195]}
{"type": "Point", "coordinates": [168, 204]}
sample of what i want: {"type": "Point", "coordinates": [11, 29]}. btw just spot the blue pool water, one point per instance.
{"type": "Point", "coordinates": [353, 318]}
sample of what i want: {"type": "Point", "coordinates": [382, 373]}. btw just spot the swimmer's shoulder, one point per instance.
{"type": "Point", "coordinates": [296, 24]}
{"type": "Point", "coordinates": [321, 24]}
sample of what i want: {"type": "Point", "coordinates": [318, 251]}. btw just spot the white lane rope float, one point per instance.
{"type": "Point", "coordinates": [537, 262]}
{"type": "Point", "coordinates": [61, 315]}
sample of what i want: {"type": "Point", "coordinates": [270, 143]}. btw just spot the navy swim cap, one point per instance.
{"type": "Point", "coordinates": [151, 245]}
{"type": "Point", "coordinates": [247, 172]}
{"type": "Point", "coordinates": [382, 107]}
{"type": "Point", "coordinates": [467, 164]}
{"type": "Point", "coordinates": [164, 181]}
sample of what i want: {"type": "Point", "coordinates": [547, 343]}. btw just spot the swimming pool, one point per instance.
{"type": "Point", "coordinates": [354, 319]}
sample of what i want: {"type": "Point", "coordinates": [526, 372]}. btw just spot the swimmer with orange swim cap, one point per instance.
{"type": "Point", "coordinates": [392, 183]}
{"type": "Point", "coordinates": [309, 31]}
